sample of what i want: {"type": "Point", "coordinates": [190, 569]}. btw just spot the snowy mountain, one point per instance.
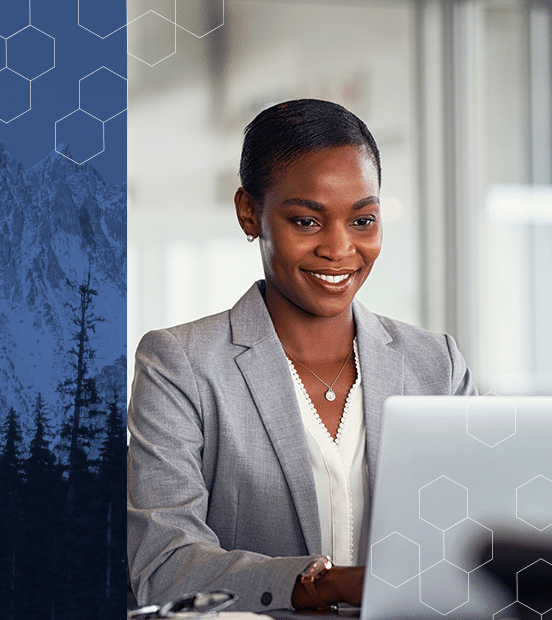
{"type": "Point", "coordinates": [58, 220]}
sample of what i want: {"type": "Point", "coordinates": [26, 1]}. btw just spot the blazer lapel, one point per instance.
{"type": "Point", "coordinates": [265, 370]}
{"type": "Point", "coordinates": [382, 371]}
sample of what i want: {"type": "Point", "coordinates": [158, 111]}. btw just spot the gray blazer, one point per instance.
{"type": "Point", "coordinates": [221, 491]}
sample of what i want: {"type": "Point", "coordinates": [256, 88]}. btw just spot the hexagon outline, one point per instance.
{"type": "Point", "coordinates": [30, 96]}
{"type": "Point", "coordinates": [95, 33]}
{"type": "Point", "coordinates": [107, 69]}
{"type": "Point", "coordinates": [492, 545]}
{"type": "Point", "coordinates": [524, 521]}
{"type": "Point", "coordinates": [477, 438]}
{"type": "Point", "coordinates": [198, 36]}
{"type": "Point", "coordinates": [517, 586]}
{"type": "Point", "coordinates": [5, 53]}
{"type": "Point", "coordinates": [451, 610]}
{"type": "Point", "coordinates": [372, 563]}
{"type": "Point", "coordinates": [45, 33]}
{"type": "Point", "coordinates": [432, 524]}
{"type": "Point", "coordinates": [79, 163]}
{"type": "Point", "coordinates": [166, 19]}
{"type": "Point", "coordinates": [509, 605]}
{"type": "Point", "coordinates": [24, 26]}
{"type": "Point", "coordinates": [14, 33]}
{"type": "Point", "coordinates": [524, 605]}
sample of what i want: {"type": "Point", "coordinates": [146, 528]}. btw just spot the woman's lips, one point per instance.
{"type": "Point", "coordinates": [332, 279]}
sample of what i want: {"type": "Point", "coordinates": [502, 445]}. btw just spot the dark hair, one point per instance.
{"type": "Point", "coordinates": [280, 134]}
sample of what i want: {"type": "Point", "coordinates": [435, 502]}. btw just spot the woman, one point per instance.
{"type": "Point", "coordinates": [255, 431]}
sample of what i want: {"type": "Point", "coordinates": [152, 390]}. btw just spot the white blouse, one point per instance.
{"type": "Point", "coordinates": [340, 473]}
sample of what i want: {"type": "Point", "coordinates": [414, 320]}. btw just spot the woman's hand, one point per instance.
{"type": "Point", "coordinates": [341, 584]}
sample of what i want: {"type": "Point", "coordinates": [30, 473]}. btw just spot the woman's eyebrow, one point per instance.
{"type": "Point", "coordinates": [364, 202]}
{"type": "Point", "coordinates": [318, 206]}
{"type": "Point", "coordinates": [303, 202]}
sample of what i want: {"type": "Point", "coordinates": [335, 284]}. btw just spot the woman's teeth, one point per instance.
{"type": "Point", "coordinates": [332, 279]}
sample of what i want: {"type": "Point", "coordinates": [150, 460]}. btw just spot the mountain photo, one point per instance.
{"type": "Point", "coordinates": [62, 390]}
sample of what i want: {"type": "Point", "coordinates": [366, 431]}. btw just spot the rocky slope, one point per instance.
{"type": "Point", "coordinates": [57, 220]}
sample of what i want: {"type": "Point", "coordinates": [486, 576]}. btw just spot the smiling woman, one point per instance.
{"type": "Point", "coordinates": [319, 229]}
{"type": "Point", "coordinates": [255, 431]}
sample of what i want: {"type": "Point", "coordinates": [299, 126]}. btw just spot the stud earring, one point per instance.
{"type": "Point", "coordinates": [250, 238]}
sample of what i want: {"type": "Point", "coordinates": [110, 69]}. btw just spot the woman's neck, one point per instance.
{"type": "Point", "coordinates": [311, 338]}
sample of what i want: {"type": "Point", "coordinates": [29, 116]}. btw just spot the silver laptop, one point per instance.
{"type": "Point", "coordinates": [453, 473]}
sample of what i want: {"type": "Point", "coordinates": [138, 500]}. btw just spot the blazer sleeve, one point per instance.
{"type": "Point", "coordinates": [171, 550]}
{"type": "Point", "coordinates": [462, 383]}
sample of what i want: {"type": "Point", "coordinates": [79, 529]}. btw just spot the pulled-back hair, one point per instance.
{"type": "Point", "coordinates": [281, 134]}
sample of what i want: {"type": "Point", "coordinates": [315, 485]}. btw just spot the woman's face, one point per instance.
{"type": "Point", "coordinates": [320, 230]}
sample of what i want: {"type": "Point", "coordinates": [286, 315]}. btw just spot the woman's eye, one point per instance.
{"type": "Point", "coordinates": [363, 222]}
{"type": "Point", "coordinates": [305, 222]}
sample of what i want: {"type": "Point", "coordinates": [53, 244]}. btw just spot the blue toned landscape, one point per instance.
{"type": "Point", "coordinates": [58, 220]}
{"type": "Point", "coordinates": [62, 311]}
{"type": "Point", "coordinates": [62, 390]}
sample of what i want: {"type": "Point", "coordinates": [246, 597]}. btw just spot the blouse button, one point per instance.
{"type": "Point", "coordinates": [266, 598]}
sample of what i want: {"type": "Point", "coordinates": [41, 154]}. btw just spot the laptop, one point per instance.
{"type": "Point", "coordinates": [456, 474]}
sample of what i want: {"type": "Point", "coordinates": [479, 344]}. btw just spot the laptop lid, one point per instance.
{"type": "Point", "coordinates": [453, 473]}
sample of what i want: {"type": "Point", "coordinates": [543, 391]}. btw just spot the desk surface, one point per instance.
{"type": "Point", "coordinates": [285, 614]}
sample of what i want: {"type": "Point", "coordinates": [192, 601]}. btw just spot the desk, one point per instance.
{"type": "Point", "coordinates": [509, 556]}
{"type": "Point", "coordinates": [283, 614]}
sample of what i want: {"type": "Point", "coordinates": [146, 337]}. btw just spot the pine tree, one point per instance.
{"type": "Point", "coordinates": [111, 479]}
{"type": "Point", "coordinates": [41, 464]}
{"type": "Point", "coordinates": [80, 547]}
{"type": "Point", "coordinates": [44, 504]}
{"type": "Point", "coordinates": [10, 457]}
{"type": "Point", "coordinates": [10, 513]}
{"type": "Point", "coordinates": [80, 386]}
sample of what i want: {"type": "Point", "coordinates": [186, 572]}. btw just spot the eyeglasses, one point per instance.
{"type": "Point", "coordinates": [192, 606]}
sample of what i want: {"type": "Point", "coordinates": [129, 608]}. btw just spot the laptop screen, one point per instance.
{"type": "Point", "coordinates": [453, 474]}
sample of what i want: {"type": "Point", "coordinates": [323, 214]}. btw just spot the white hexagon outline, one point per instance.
{"type": "Point", "coordinates": [480, 565]}
{"type": "Point", "coordinates": [5, 53]}
{"type": "Point", "coordinates": [198, 36]}
{"type": "Point", "coordinates": [30, 96]}
{"type": "Point", "coordinates": [516, 601]}
{"type": "Point", "coordinates": [95, 33]}
{"type": "Point", "coordinates": [517, 586]}
{"type": "Point", "coordinates": [24, 27]}
{"type": "Point", "coordinates": [79, 163]}
{"type": "Point", "coordinates": [517, 592]}
{"type": "Point", "coordinates": [92, 73]}
{"type": "Point", "coordinates": [372, 560]}
{"type": "Point", "coordinates": [477, 438]}
{"type": "Point", "coordinates": [41, 31]}
{"type": "Point", "coordinates": [420, 588]}
{"type": "Point", "coordinates": [524, 521]}
{"type": "Point", "coordinates": [166, 19]}
{"type": "Point", "coordinates": [436, 526]}
{"type": "Point", "coordinates": [202, 35]}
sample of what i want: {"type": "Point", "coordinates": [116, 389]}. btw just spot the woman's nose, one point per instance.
{"type": "Point", "coordinates": [336, 244]}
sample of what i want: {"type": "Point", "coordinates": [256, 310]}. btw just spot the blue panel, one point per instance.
{"type": "Point", "coordinates": [62, 217]}
{"type": "Point", "coordinates": [14, 15]}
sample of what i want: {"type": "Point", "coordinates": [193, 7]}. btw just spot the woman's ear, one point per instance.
{"type": "Point", "coordinates": [247, 215]}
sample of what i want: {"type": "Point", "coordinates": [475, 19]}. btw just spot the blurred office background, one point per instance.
{"type": "Point", "coordinates": [458, 96]}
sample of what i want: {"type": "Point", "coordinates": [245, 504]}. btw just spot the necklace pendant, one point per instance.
{"type": "Point", "coordinates": [330, 395]}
